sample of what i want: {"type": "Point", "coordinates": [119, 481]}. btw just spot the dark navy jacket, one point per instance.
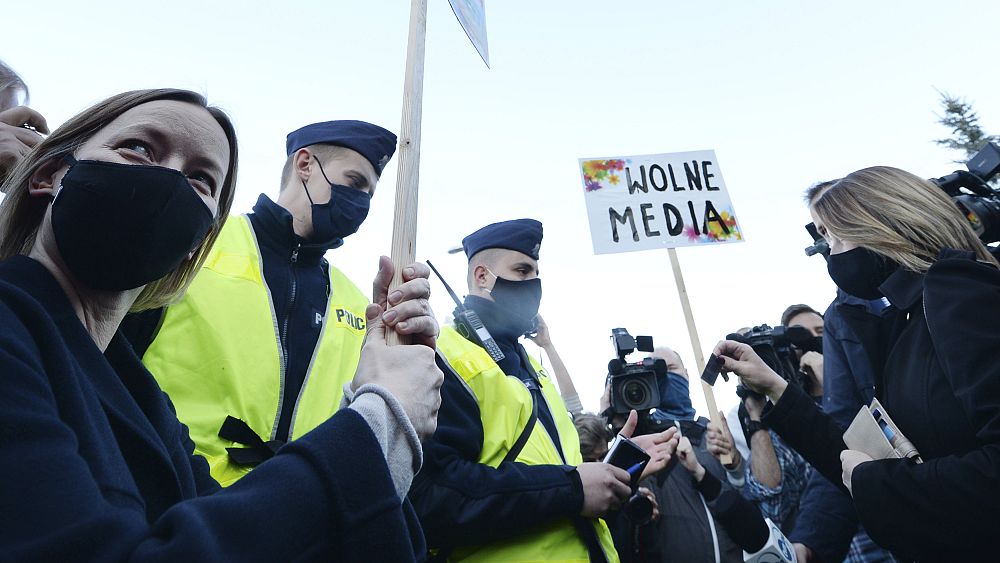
{"type": "Point", "coordinates": [827, 521]}
{"type": "Point", "coordinates": [94, 465]}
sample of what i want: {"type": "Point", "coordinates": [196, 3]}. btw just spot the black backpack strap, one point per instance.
{"type": "Point", "coordinates": [515, 450]}
{"type": "Point", "coordinates": [588, 535]}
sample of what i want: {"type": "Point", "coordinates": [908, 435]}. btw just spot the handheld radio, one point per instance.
{"type": "Point", "coordinates": [469, 325]}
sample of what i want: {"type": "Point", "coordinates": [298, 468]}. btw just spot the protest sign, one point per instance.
{"type": "Point", "coordinates": [661, 201]}
{"type": "Point", "coordinates": [472, 15]}
{"type": "Point", "coordinates": [657, 201]}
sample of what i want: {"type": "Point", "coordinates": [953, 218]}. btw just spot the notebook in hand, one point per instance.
{"type": "Point", "coordinates": [626, 454]}
{"type": "Point", "coordinates": [875, 434]}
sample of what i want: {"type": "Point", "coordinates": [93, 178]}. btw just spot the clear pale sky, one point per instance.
{"type": "Point", "coordinates": [787, 93]}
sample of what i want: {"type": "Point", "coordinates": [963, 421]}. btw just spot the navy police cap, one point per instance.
{"type": "Point", "coordinates": [522, 235]}
{"type": "Point", "coordinates": [373, 142]}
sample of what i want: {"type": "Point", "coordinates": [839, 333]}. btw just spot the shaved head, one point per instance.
{"type": "Point", "coordinates": [673, 359]}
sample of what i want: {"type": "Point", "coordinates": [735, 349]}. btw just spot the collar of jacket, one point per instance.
{"type": "Point", "coordinates": [33, 278]}
{"type": "Point", "coordinates": [274, 230]}
{"type": "Point", "coordinates": [905, 288]}
{"type": "Point", "coordinates": [127, 392]}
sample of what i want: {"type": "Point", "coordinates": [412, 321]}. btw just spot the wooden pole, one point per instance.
{"type": "Point", "coordinates": [699, 358]}
{"type": "Point", "coordinates": [404, 224]}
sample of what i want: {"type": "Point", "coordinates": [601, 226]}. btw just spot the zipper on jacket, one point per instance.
{"type": "Point", "coordinates": [283, 344]}
{"type": "Point", "coordinates": [312, 358]}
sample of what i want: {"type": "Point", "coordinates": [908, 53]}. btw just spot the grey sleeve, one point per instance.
{"type": "Point", "coordinates": [395, 434]}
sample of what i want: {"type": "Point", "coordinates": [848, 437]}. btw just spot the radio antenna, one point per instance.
{"type": "Point", "coordinates": [458, 301]}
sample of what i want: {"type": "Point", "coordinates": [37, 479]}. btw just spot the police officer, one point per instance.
{"type": "Point", "coordinates": [258, 351]}
{"type": "Point", "coordinates": [503, 478]}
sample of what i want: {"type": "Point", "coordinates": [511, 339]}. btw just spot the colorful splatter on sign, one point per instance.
{"type": "Point", "coordinates": [657, 201]}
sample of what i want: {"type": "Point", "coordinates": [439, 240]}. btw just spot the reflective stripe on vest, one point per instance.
{"type": "Point", "coordinates": [504, 408]}
{"type": "Point", "coordinates": [217, 351]}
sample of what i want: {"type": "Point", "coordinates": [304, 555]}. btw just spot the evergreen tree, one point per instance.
{"type": "Point", "coordinates": [967, 134]}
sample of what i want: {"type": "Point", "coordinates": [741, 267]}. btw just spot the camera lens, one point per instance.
{"type": "Point", "coordinates": [639, 509]}
{"type": "Point", "coordinates": [635, 393]}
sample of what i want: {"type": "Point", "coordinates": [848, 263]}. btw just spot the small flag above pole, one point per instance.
{"type": "Point", "coordinates": [472, 15]}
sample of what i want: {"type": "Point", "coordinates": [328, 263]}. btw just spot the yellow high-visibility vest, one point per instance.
{"type": "Point", "coordinates": [505, 407]}
{"type": "Point", "coordinates": [217, 351]}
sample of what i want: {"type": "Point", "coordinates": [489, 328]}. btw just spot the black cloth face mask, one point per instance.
{"type": "Point", "coordinates": [122, 226]}
{"type": "Point", "coordinates": [520, 299]}
{"type": "Point", "coordinates": [860, 272]}
{"type": "Point", "coordinates": [340, 217]}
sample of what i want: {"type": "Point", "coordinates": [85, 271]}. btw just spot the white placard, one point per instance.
{"type": "Point", "coordinates": [657, 201]}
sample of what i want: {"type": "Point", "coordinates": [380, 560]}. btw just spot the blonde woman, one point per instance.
{"type": "Point", "coordinates": [116, 211]}
{"type": "Point", "coordinates": [935, 357]}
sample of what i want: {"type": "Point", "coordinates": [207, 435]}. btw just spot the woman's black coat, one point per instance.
{"type": "Point", "coordinates": [936, 353]}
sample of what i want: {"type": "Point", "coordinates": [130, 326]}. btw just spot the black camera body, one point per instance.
{"type": "Point", "coordinates": [971, 192]}
{"type": "Point", "coordinates": [634, 386]}
{"type": "Point", "coordinates": [777, 347]}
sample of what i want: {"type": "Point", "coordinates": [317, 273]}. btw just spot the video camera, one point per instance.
{"type": "Point", "coordinates": [777, 347]}
{"type": "Point", "coordinates": [634, 386]}
{"type": "Point", "coordinates": [971, 192]}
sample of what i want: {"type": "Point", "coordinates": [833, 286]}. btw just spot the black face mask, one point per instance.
{"type": "Point", "coordinates": [121, 226]}
{"type": "Point", "coordinates": [520, 299]}
{"type": "Point", "coordinates": [860, 271]}
{"type": "Point", "coordinates": [341, 216]}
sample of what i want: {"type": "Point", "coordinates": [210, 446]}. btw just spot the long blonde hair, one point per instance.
{"type": "Point", "coordinates": [21, 215]}
{"type": "Point", "coordinates": [898, 215]}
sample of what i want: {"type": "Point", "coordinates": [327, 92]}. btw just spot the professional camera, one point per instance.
{"type": "Point", "coordinates": [777, 347]}
{"type": "Point", "coordinates": [971, 192]}
{"type": "Point", "coordinates": [634, 386]}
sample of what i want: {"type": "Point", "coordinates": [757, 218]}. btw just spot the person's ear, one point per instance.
{"type": "Point", "coordinates": [481, 275]}
{"type": "Point", "coordinates": [46, 178]}
{"type": "Point", "coordinates": [302, 164]}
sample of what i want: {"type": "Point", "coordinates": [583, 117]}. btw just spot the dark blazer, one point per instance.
{"type": "Point", "coordinates": [938, 377]}
{"type": "Point", "coordinates": [96, 467]}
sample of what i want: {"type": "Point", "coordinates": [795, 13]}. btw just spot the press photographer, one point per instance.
{"type": "Point", "coordinates": [775, 475]}
{"type": "Point", "coordinates": [686, 529]}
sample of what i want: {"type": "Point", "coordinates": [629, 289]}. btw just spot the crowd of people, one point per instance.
{"type": "Point", "coordinates": [180, 383]}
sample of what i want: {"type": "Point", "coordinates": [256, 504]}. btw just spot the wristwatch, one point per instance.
{"type": "Point", "coordinates": [753, 426]}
